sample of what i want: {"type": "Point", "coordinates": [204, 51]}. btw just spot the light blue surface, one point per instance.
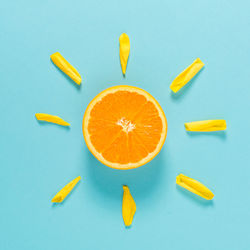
{"type": "Point", "coordinates": [37, 160]}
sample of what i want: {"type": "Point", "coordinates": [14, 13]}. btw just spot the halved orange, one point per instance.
{"type": "Point", "coordinates": [124, 127]}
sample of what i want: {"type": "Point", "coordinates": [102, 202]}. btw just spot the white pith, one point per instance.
{"type": "Point", "coordinates": [127, 126]}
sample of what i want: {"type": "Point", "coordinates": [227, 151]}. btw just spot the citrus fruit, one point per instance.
{"type": "Point", "coordinates": [124, 127]}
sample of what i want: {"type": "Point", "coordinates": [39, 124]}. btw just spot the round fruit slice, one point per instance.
{"type": "Point", "coordinates": [124, 127]}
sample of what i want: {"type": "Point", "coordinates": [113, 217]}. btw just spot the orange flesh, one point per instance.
{"type": "Point", "coordinates": [124, 127]}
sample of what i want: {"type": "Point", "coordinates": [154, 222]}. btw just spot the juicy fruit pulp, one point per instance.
{"type": "Point", "coordinates": [124, 127]}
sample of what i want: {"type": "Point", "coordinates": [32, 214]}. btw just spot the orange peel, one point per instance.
{"type": "Point", "coordinates": [124, 51]}
{"type": "Point", "coordinates": [51, 118]}
{"type": "Point", "coordinates": [194, 186]}
{"type": "Point", "coordinates": [66, 67]}
{"type": "Point", "coordinates": [63, 193]}
{"type": "Point", "coordinates": [206, 126]}
{"type": "Point", "coordinates": [128, 206]}
{"type": "Point", "coordinates": [185, 76]}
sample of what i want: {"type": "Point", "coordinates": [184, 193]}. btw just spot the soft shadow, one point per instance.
{"type": "Point", "coordinates": [194, 198]}
{"type": "Point", "coordinates": [176, 97]}
{"type": "Point", "coordinates": [54, 205]}
{"type": "Point", "coordinates": [143, 180]}
{"type": "Point", "coordinates": [124, 75]}
{"type": "Point", "coordinates": [78, 87]}
{"type": "Point", "coordinates": [220, 134]}
{"type": "Point", "coordinates": [44, 123]}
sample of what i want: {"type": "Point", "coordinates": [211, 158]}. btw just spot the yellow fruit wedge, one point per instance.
{"type": "Point", "coordinates": [206, 126]}
{"type": "Point", "coordinates": [124, 51]}
{"type": "Point", "coordinates": [62, 194]}
{"type": "Point", "coordinates": [184, 77]}
{"type": "Point", "coordinates": [66, 67]}
{"type": "Point", "coordinates": [51, 118]}
{"type": "Point", "coordinates": [194, 186]}
{"type": "Point", "coordinates": [128, 207]}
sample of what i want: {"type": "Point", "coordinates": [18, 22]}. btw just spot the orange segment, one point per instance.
{"type": "Point", "coordinates": [124, 127]}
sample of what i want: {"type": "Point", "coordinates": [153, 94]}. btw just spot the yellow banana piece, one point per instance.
{"type": "Point", "coordinates": [185, 76]}
{"type": "Point", "coordinates": [194, 186]}
{"type": "Point", "coordinates": [66, 67]}
{"type": "Point", "coordinates": [124, 51]}
{"type": "Point", "coordinates": [128, 206]}
{"type": "Point", "coordinates": [51, 118]}
{"type": "Point", "coordinates": [62, 194]}
{"type": "Point", "coordinates": [206, 126]}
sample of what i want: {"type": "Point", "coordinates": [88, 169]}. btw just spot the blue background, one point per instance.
{"type": "Point", "coordinates": [39, 159]}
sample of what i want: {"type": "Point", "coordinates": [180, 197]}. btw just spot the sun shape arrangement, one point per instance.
{"type": "Point", "coordinates": [124, 127]}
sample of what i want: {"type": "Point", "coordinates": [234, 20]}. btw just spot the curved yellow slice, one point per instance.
{"type": "Point", "coordinates": [124, 51]}
{"type": "Point", "coordinates": [51, 118]}
{"type": "Point", "coordinates": [66, 67]}
{"type": "Point", "coordinates": [61, 195]}
{"type": "Point", "coordinates": [185, 76]}
{"type": "Point", "coordinates": [128, 206]}
{"type": "Point", "coordinates": [194, 186]}
{"type": "Point", "coordinates": [206, 126]}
